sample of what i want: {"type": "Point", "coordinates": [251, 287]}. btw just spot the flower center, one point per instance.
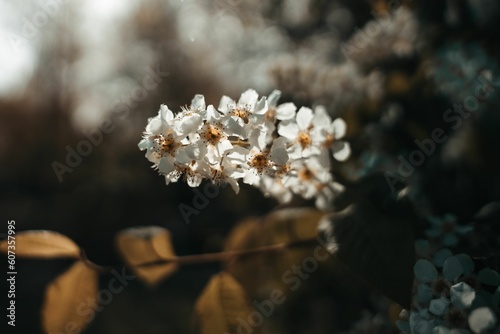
{"type": "Point", "coordinates": [271, 115]}
{"type": "Point", "coordinates": [329, 140]}
{"type": "Point", "coordinates": [212, 134]}
{"type": "Point", "coordinates": [304, 139]}
{"type": "Point", "coordinates": [283, 170]}
{"type": "Point", "coordinates": [306, 174]}
{"type": "Point", "coordinates": [241, 113]}
{"type": "Point", "coordinates": [259, 162]}
{"type": "Point", "coordinates": [168, 145]}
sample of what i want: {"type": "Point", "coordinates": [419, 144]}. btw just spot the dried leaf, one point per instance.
{"type": "Point", "coordinates": [69, 300]}
{"type": "Point", "coordinates": [291, 225]}
{"type": "Point", "coordinates": [43, 244]}
{"type": "Point", "coordinates": [375, 246]}
{"type": "Point", "coordinates": [223, 306]}
{"type": "Point", "coordinates": [282, 226]}
{"type": "Point", "coordinates": [149, 244]}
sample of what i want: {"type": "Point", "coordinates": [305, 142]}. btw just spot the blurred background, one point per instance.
{"type": "Point", "coordinates": [95, 71]}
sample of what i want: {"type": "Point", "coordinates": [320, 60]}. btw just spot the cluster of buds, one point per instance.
{"type": "Point", "coordinates": [273, 147]}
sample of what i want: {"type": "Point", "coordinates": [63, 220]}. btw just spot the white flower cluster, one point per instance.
{"type": "Point", "coordinates": [450, 295]}
{"type": "Point", "coordinates": [274, 147]}
{"type": "Point", "coordinates": [451, 298]}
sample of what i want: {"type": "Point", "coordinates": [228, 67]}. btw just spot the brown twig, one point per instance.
{"type": "Point", "coordinates": [209, 257]}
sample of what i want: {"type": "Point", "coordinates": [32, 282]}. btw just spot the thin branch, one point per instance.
{"type": "Point", "coordinates": [210, 257]}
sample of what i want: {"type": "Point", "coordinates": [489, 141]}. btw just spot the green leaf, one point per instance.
{"type": "Point", "coordinates": [375, 245]}
{"type": "Point", "coordinates": [488, 277]}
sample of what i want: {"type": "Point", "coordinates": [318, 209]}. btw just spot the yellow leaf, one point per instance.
{"type": "Point", "coordinates": [260, 274]}
{"type": "Point", "coordinates": [297, 224]}
{"type": "Point", "coordinates": [69, 299]}
{"type": "Point", "coordinates": [42, 244]}
{"type": "Point", "coordinates": [223, 307]}
{"type": "Point", "coordinates": [149, 244]}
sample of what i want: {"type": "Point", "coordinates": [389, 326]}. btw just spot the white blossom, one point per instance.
{"type": "Point", "coordinates": [238, 141]}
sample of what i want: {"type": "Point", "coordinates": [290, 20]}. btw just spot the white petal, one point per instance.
{"type": "Point", "coordinates": [337, 187]}
{"type": "Point", "coordinates": [324, 201]}
{"type": "Point", "coordinates": [152, 156]}
{"type": "Point", "coordinates": [257, 138]}
{"type": "Point", "coordinates": [278, 143]}
{"type": "Point", "coordinates": [234, 173]}
{"type": "Point", "coordinates": [273, 98]}
{"type": "Point", "coordinates": [166, 165]}
{"type": "Point", "coordinates": [203, 168]}
{"type": "Point", "coordinates": [165, 113]}
{"type": "Point", "coordinates": [155, 126]}
{"type": "Point", "coordinates": [339, 128]}
{"type": "Point", "coordinates": [212, 156]}
{"type": "Point", "coordinates": [286, 111]}
{"type": "Point", "coordinates": [238, 155]}
{"type": "Point", "coordinates": [310, 151]}
{"type": "Point", "coordinates": [212, 114]}
{"type": "Point", "coordinates": [198, 102]}
{"type": "Point", "coordinates": [251, 178]}
{"type": "Point", "coordinates": [304, 118]}
{"type": "Point", "coordinates": [279, 156]}
{"type": "Point", "coordinates": [223, 146]}
{"type": "Point", "coordinates": [187, 125]}
{"type": "Point", "coordinates": [171, 178]}
{"type": "Point", "coordinates": [226, 104]}
{"type": "Point", "coordinates": [323, 159]}
{"type": "Point", "coordinates": [269, 130]}
{"type": "Point", "coordinates": [278, 152]}
{"type": "Point", "coordinates": [261, 107]}
{"type": "Point", "coordinates": [182, 156]}
{"type": "Point", "coordinates": [197, 150]}
{"type": "Point", "coordinates": [233, 128]}
{"type": "Point", "coordinates": [144, 144]}
{"type": "Point", "coordinates": [234, 184]}
{"type": "Point", "coordinates": [249, 98]}
{"type": "Point", "coordinates": [295, 152]}
{"type": "Point", "coordinates": [306, 190]}
{"type": "Point", "coordinates": [289, 130]}
{"type": "Point", "coordinates": [194, 180]}
{"type": "Point", "coordinates": [321, 118]}
{"type": "Point", "coordinates": [341, 150]}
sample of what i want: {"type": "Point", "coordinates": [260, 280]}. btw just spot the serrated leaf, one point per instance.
{"type": "Point", "coordinates": [148, 244]}
{"type": "Point", "coordinates": [223, 306]}
{"type": "Point", "coordinates": [69, 298]}
{"type": "Point", "coordinates": [43, 245]}
{"type": "Point", "coordinates": [375, 246]}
